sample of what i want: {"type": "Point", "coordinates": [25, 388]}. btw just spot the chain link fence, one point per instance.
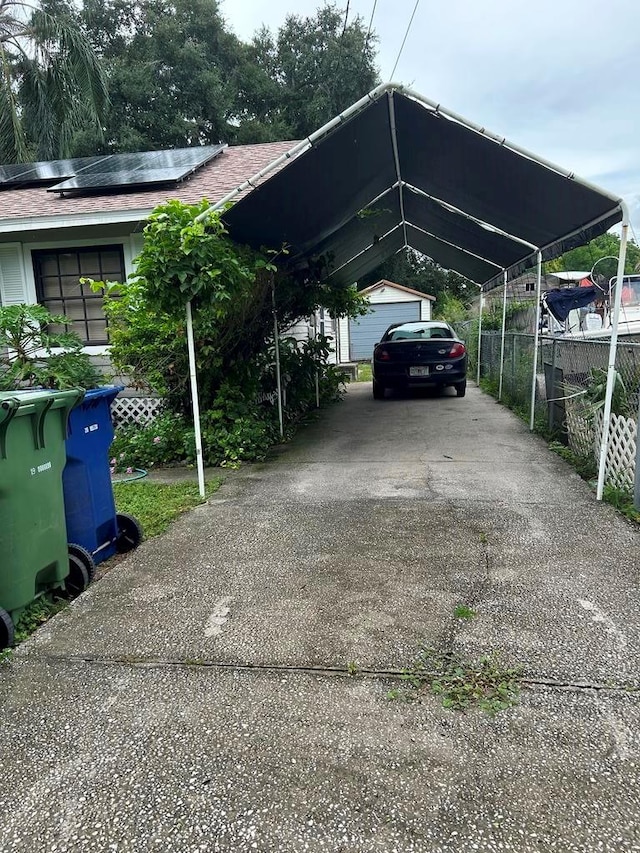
{"type": "Point", "coordinates": [570, 381]}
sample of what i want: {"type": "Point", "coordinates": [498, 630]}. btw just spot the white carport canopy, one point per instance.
{"type": "Point", "coordinates": [396, 170]}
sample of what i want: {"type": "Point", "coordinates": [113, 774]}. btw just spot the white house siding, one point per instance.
{"type": "Point", "coordinates": [304, 329]}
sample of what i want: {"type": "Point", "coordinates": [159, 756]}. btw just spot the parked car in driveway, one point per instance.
{"type": "Point", "coordinates": [425, 354]}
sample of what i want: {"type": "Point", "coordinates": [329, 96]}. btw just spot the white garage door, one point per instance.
{"type": "Point", "coordinates": [367, 331]}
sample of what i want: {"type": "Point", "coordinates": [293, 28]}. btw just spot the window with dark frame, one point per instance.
{"type": "Point", "coordinates": [57, 275]}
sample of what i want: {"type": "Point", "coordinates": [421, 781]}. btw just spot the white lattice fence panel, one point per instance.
{"type": "Point", "coordinates": [135, 410]}
{"type": "Point", "coordinates": [621, 454]}
{"type": "Point", "coordinates": [579, 429]}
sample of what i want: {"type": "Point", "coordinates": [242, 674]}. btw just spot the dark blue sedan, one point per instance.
{"type": "Point", "coordinates": [425, 354]}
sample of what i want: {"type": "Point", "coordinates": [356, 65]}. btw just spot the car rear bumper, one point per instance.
{"type": "Point", "coordinates": [395, 378]}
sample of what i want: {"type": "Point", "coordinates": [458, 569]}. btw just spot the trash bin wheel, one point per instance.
{"type": "Point", "coordinates": [6, 630]}
{"type": "Point", "coordinates": [129, 532]}
{"type": "Point", "coordinates": [81, 570]}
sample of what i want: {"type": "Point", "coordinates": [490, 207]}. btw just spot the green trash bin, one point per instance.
{"type": "Point", "coordinates": [34, 557]}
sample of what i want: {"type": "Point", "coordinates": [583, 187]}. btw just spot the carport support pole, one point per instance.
{"type": "Point", "coordinates": [613, 349]}
{"type": "Point", "coordinates": [479, 337]}
{"type": "Point", "coordinates": [536, 340]}
{"type": "Point", "coordinates": [195, 400]}
{"type": "Point", "coordinates": [504, 326]}
{"type": "Point", "coordinates": [276, 338]}
{"type": "Point", "coordinates": [317, 378]}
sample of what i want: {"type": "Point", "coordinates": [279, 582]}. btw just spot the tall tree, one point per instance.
{"type": "Point", "coordinates": [173, 72]}
{"type": "Point", "coordinates": [317, 66]}
{"type": "Point", "coordinates": [178, 76]}
{"type": "Point", "coordinates": [51, 81]}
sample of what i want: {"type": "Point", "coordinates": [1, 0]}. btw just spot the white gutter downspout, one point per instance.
{"type": "Point", "coordinates": [613, 348]}
{"type": "Point", "coordinates": [504, 326]}
{"type": "Point", "coordinates": [536, 340]}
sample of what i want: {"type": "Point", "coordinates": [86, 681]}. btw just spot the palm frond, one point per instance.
{"type": "Point", "coordinates": [53, 83]}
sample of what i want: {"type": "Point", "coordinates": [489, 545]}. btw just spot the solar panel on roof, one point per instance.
{"type": "Point", "coordinates": [109, 171]}
{"type": "Point", "coordinates": [103, 180]}
{"type": "Point", "coordinates": [32, 174]}
{"type": "Point", "coordinates": [144, 168]}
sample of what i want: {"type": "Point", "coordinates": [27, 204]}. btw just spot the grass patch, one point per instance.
{"type": "Point", "coordinates": [363, 373]}
{"type": "Point", "coordinates": [622, 501]}
{"type": "Point", "coordinates": [584, 465]}
{"type": "Point", "coordinates": [156, 505]}
{"type": "Point", "coordinates": [36, 614]}
{"type": "Point", "coordinates": [462, 611]}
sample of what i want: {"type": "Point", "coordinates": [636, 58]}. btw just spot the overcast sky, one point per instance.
{"type": "Point", "coordinates": [559, 77]}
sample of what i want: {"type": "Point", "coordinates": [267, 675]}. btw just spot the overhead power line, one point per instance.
{"type": "Point", "coordinates": [373, 11]}
{"type": "Point", "coordinates": [346, 19]}
{"type": "Point", "coordinates": [413, 14]}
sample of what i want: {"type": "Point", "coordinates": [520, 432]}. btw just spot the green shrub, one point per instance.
{"type": "Point", "coordinates": [35, 356]}
{"type": "Point", "coordinates": [242, 422]}
{"type": "Point", "coordinates": [159, 443]}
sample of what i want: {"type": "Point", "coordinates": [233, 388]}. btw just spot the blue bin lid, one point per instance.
{"type": "Point", "coordinates": [105, 392]}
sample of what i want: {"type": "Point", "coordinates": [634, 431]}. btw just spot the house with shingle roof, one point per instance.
{"type": "Point", "coordinates": [58, 225]}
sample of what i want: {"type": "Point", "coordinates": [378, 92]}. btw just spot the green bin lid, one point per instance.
{"type": "Point", "coordinates": [28, 402]}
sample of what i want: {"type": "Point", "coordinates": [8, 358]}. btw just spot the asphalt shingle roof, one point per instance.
{"type": "Point", "coordinates": [213, 181]}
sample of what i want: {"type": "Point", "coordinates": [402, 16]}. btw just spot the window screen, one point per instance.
{"type": "Point", "coordinates": [57, 275]}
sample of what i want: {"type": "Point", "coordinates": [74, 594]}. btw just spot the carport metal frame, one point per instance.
{"type": "Point", "coordinates": [501, 274]}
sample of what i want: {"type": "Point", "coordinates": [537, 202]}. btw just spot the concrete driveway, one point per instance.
{"type": "Point", "coordinates": [198, 697]}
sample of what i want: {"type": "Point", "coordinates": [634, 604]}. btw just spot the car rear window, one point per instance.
{"type": "Point", "coordinates": [419, 334]}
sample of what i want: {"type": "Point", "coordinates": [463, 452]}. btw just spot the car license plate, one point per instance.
{"type": "Point", "coordinates": [418, 371]}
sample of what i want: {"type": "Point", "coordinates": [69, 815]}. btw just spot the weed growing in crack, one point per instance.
{"type": "Point", "coordinates": [461, 685]}
{"type": "Point", "coordinates": [352, 667]}
{"type": "Point", "coordinates": [464, 612]}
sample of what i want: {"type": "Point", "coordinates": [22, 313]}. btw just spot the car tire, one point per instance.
{"type": "Point", "coordinates": [378, 390]}
{"type": "Point", "coordinates": [461, 388]}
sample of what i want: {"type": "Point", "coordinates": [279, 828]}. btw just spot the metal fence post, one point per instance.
{"type": "Point", "coordinates": [636, 475]}
{"type": "Point", "coordinates": [554, 390]}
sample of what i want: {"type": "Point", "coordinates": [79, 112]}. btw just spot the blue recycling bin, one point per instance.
{"type": "Point", "coordinates": [90, 511]}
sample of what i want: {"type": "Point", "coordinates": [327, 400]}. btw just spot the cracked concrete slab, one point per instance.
{"type": "Point", "coordinates": [132, 759]}
{"type": "Point", "coordinates": [350, 549]}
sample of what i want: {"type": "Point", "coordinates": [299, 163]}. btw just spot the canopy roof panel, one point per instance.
{"type": "Point", "coordinates": [396, 170]}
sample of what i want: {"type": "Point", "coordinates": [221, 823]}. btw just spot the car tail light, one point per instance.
{"type": "Point", "coordinates": [457, 350]}
{"type": "Point", "coordinates": [383, 355]}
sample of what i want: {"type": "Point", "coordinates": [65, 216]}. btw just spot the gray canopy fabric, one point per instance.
{"type": "Point", "coordinates": [397, 170]}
